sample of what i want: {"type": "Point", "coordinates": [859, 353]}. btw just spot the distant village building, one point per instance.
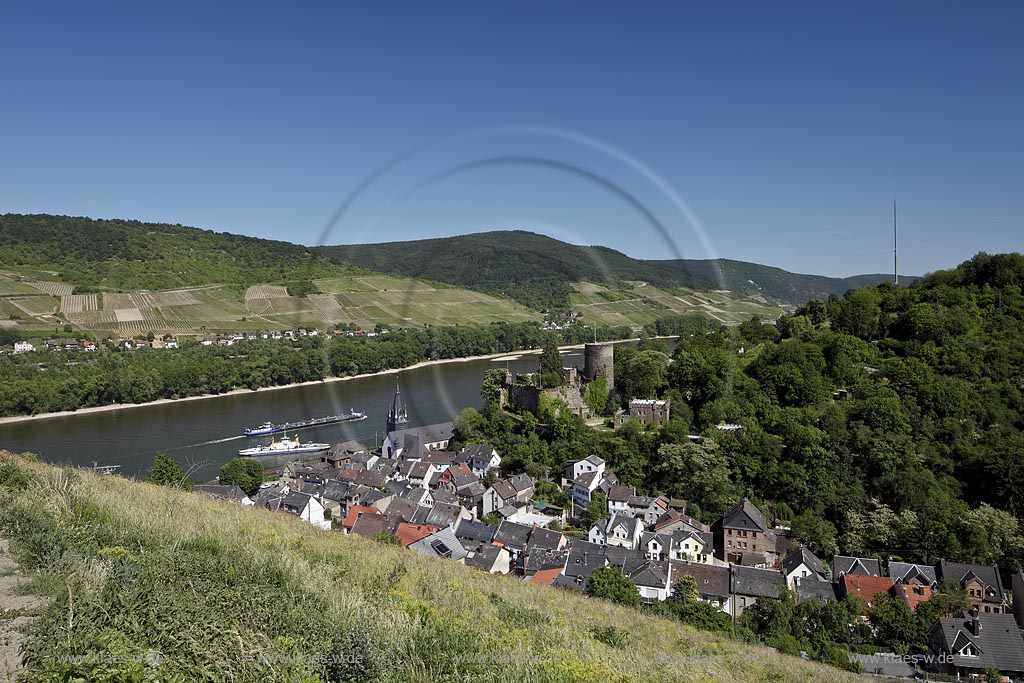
{"type": "Point", "coordinates": [646, 411]}
{"type": "Point", "coordinates": [23, 347]}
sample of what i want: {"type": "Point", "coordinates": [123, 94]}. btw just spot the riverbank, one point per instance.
{"type": "Point", "coordinates": [507, 355]}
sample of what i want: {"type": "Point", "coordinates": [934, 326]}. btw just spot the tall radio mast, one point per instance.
{"type": "Point", "coordinates": [895, 247]}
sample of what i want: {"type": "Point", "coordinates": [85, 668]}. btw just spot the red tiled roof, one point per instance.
{"type": "Point", "coordinates": [410, 533]}
{"type": "Point", "coordinates": [912, 594]}
{"type": "Point", "coordinates": [866, 586]}
{"type": "Point", "coordinates": [545, 576]}
{"type": "Point", "coordinates": [356, 512]}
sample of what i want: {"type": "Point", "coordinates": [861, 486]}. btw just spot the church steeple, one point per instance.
{"type": "Point", "coordinates": [396, 413]}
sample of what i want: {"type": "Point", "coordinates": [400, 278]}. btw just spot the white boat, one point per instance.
{"type": "Point", "coordinates": [285, 446]}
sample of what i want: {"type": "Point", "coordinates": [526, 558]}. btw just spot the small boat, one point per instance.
{"type": "Point", "coordinates": [271, 428]}
{"type": "Point", "coordinates": [265, 428]}
{"type": "Point", "coordinates": [285, 446]}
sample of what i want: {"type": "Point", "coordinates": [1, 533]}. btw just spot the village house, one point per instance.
{"type": "Point", "coordinates": [864, 587]}
{"type": "Point", "coordinates": [810, 589]}
{"type": "Point", "coordinates": [441, 544]}
{"type": "Point", "coordinates": [968, 645]}
{"type": "Point", "coordinates": [983, 585]}
{"type": "Point", "coordinates": [587, 476]}
{"type": "Point", "coordinates": [713, 583]}
{"type": "Point", "coordinates": [489, 558]}
{"type": "Point", "coordinates": [692, 546]}
{"type": "Point", "coordinates": [912, 594]}
{"type": "Point", "coordinates": [748, 584]}
{"type": "Point", "coordinates": [23, 347]}
{"type": "Point", "coordinates": [860, 566]}
{"type": "Point", "coordinates": [617, 530]}
{"type": "Point", "coordinates": [913, 574]}
{"type": "Point", "coordinates": [802, 563]}
{"type": "Point", "coordinates": [618, 499]}
{"type": "Point", "coordinates": [742, 537]}
{"type": "Point", "coordinates": [652, 578]}
{"type": "Point", "coordinates": [647, 509]}
{"type": "Point", "coordinates": [481, 458]}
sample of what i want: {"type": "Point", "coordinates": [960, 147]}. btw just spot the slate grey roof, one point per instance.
{"type": "Point", "coordinates": [412, 446]}
{"type": "Point", "coordinates": [764, 583]}
{"type": "Point", "coordinates": [858, 566]}
{"type": "Point", "coordinates": [370, 478]}
{"type": "Point", "coordinates": [461, 481]}
{"type": "Point", "coordinates": [586, 480]}
{"type": "Point", "coordinates": [999, 645]}
{"type": "Point", "coordinates": [802, 555]}
{"type": "Point", "coordinates": [440, 544]}
{"type": "Point", "coordinates": [445, 496]}
{"type": "Point", "coordinates": [541, 558]}
{"type": "Point", "coordinates": [745, 515]}
{"type": "Point", "coordinates": [438, 457]}
{"type": "Point", "coordinates": [648, 573]}
{"type": "Point", "coordinates": [403, 508]}
{"type": "Point", "coordinates": [295, 501]}
{"type": "Point", "coordinates": [674, 516]}
{"type": "Point", "coordinates": [336, 490]}
{"type": "Point", "coordinates": [905, 572]}
{"type": "Point", "coordinates": [664, 540]}
{"type": "Point", "coordinates": [521, 482]}
{"type": "Point", "coordinates": [483, 557]}
{"type": "Point", "coordinates": [371, 496]}
{"type": "Point", "coordinates": [512, 535]}
{"type": "Point", "coordinates": [396, 487]}
{"type": "Point", "coordinates": [621, 494]}
{"type": "Point", "coordinates": [544, 538]}
{"type": "Point", "coordinates": [428, 434]}
{"type": "Point", "coordinates": [475, 532]}
{"type": "Point", "coordinates": [640, 501]}
{"type": "Point", "coordinates": [478, 450]}
{"type": "Point", "coordinates": [368, 525]}
{"type": "Point", "coordinates": [808, 589]}
{"type": "Point", "coordinates": [582, 562]}
{"type": "Point", "coordinates": [443, 514]}
{"type": "Point", "coordinates": [597, 461]}
{"type": "Point", "coordinates": [505, 490]}
{"type": "Point", "coordinates": [712, 581]}
{"type": "Point", "coordinates": [989, 576]}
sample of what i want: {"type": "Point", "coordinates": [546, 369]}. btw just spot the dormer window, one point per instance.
{"type": "Point", "coordinates": [969, 651]}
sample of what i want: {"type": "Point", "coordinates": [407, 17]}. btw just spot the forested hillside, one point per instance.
{"type": "Point", "coordinates": [773, 283]}
{"type": "Point", "coordinates": [886, 422]}
{"type": "Point", "coordinates": [123, 254]}
{"type": "Point", "coordinates": [537, 270]}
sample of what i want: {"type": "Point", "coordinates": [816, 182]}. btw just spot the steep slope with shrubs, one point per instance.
{"type": "Point", "coordinates": [151, 583]}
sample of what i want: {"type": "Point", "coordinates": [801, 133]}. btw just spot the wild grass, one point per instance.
{"type": "Point", "coordinates": [180, 587]}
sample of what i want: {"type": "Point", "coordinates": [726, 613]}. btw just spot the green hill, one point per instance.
{"type": "Point", "coordinates": [130, 255]}
{"type": "Point", "coordinates": [538, 271]}
{"type": "Point", "coordinates": [149, 583]}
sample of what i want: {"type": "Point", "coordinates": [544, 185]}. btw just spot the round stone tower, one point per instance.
{"type": "Point", "coordinates": [599, 359]}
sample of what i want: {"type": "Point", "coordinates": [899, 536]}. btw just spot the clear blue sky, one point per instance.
{"type": "Point", "coordinates": [786, 128]}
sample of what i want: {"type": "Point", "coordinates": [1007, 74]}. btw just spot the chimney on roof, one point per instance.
{"type": "Point", "coordinates": [975, 622]}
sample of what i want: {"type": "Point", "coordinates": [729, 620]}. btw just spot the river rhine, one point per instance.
{"type": "Point", "coordinates": [206, 433]}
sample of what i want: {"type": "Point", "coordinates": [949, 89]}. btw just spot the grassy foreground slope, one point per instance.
{"type": "Point", "coordinates": [149, 583]}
